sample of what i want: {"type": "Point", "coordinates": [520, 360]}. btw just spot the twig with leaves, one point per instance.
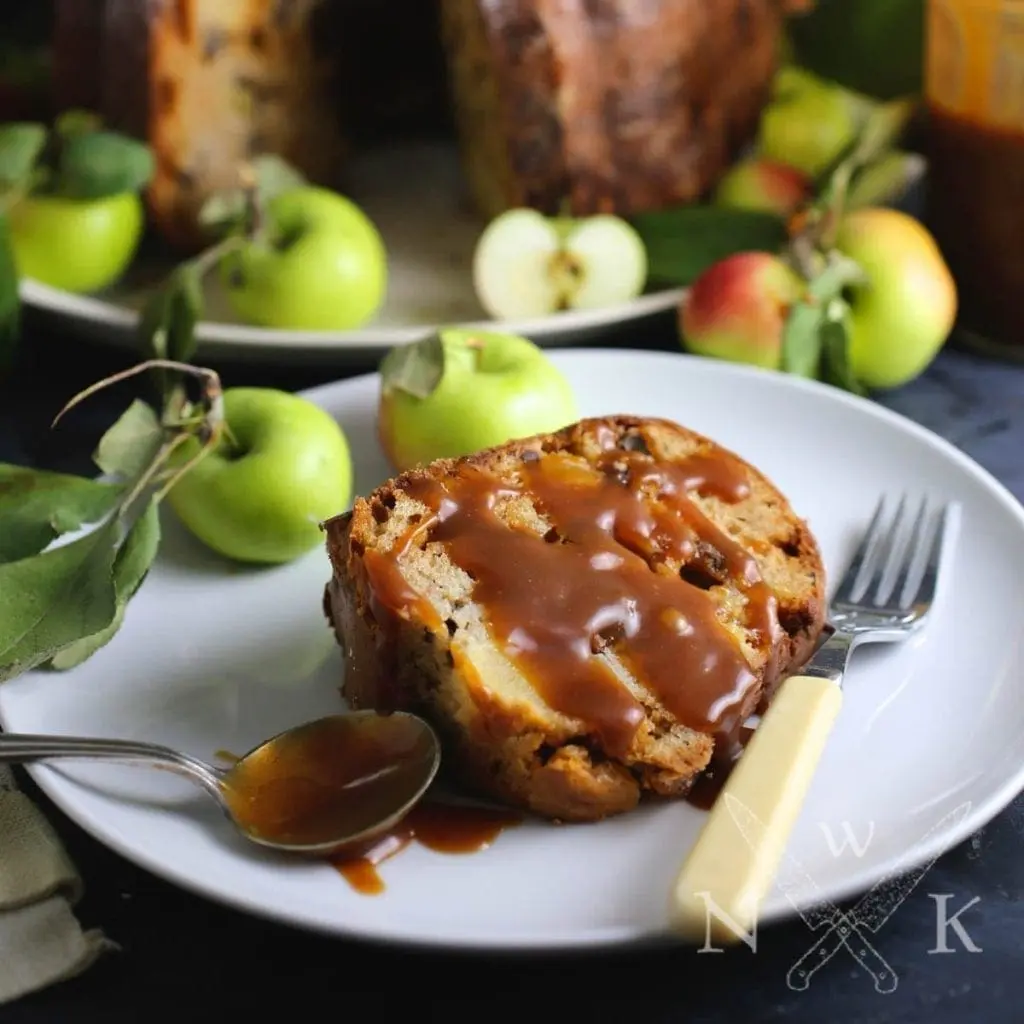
{"type": "Point", "coordinates": [61, 602]}
{"type": "Point", "coordinates": [76, 158]}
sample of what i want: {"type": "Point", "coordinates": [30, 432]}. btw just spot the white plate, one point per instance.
{"type": "Point", "coordinates": [213, 656]}
{"type": "Point", "coordinates": [414, 194]}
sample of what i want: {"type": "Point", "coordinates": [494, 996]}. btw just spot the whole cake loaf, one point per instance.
{"type": "Point", "coordinates": [586, 617]}
{"type": "Point", "coordinates": [607, 105]}
{"type": "Point", "coordinates": [209, 83]}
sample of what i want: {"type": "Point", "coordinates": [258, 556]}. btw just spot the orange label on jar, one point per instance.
{"type": "Point", "coordinates": [975, 59]}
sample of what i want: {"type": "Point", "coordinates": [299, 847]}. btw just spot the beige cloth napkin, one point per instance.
{"type": "Point", "coordinates": [41, 941]}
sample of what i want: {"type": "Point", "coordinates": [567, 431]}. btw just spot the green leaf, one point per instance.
{"type": "Point", "coordinates": [274, 175]}
{"type": "Point", "coordinates": [10, 299]}
{"type": "Point", "coordinates": [37, 507]}
{"type": "Point", "coordinates": [97, 164]}
{"type": "Point", "coordinates": [840, 272]}
{"type": "Point", "coordinates": [836, 367]}
{"type": "Point", "coordinates": [129, 447]}
{"type": "Point", "coordinates": [416, 367]}
{"type": "Point", "coordinates": [801, 340]}
{"type": "Point", "coordinates": [55, 598]}
{"type": "Point", "coordinates": [683, 242]}
{"type": "Point", "coordinates": [131, 566]}
{"type": "Point", "coordinates": [21, 143]}
{"type": "Point", "coordinates": [885, 179]}
{"type": "Point", "coordinates": [166, 327]}
{"type": "Point", "coordinates": [184, 312]}
{"type": "Point", "coordinates": [74, 122]}
{"type": "Point", "coordinates": [222, 210]}
{"type": "Point", "coordinates": [882, 129]}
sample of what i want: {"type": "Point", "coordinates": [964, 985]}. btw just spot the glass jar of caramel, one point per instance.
{"type": "Point", "coordinates": [974, 89]}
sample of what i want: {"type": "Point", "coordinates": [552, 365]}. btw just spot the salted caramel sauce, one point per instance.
{"type": "Point", "coordinates": [599, 579]}
{"type": "Point", "coordinates": [451, 828]}
{"type": "Point", "coordinates": [337, 776]}
{"type": "Point", "coordinates": [443, 826]}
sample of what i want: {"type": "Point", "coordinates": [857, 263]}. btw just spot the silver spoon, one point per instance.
{"type": "Point", "coordinates": [327, 787]}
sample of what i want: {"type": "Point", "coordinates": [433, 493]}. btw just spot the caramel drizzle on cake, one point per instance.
{"type": "Point", "coordinates": [594, 595]}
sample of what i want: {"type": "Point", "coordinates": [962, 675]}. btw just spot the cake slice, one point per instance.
{"type": "Point", "coordinates": [586, 617]}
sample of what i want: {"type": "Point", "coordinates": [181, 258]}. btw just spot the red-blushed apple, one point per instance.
{"type": "Point", "coordinates": [737, 308]}
{"type": "Point", "coordinates": [765, 185]}
{"type": "Point", "coordinates": [77, 245]}
{"type": "Point", "coordinates": [458, 391]}
{"type": "Point", "coordinates": [282, 467]}
{"type": "Point", "coordinates": [903, 313]}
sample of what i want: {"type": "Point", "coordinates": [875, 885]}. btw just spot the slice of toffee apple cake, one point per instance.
{"type": "Point", "coordinates": [586, 617]}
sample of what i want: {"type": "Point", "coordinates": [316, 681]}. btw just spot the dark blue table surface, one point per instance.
{"type": "Point", "coordinates": [183, 957]}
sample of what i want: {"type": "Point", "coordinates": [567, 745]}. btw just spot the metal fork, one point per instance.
{"type": "Point", "coordinates": [884, 596]}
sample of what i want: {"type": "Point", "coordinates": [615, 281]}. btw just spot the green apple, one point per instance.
{"type": "Point", "coordinates": [528, 265]}
{"type": "Point", "coordinates": [808, 123]}
{"type": "Point", "coordinates": [459, 391]}
{"type": "Point", "coordinates": [903, 313]}
{"type": "Point", "coordinates": [260, 495]}
{"type": "Point", "coordinates": [77, 245]}
{"type": "Point", "coordinates": [321, 266]}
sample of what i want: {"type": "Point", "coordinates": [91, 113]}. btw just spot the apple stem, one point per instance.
{"type": "Point", "coordinates": [253, 216]}
{"type": "Point", "coordinates": [150, 472]}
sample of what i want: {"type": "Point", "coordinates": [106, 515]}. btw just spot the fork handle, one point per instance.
{"type": "Point", "coordinates": [737, 853]}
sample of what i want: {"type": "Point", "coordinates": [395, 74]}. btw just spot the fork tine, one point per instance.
{"type": "Point", "coordinates": [911, 568]}
{"type": "Point", "coordinates": [890, 555]}
{"type": "Point", "coordinates": [858, 572]}
{"type": "Point", "coordinates": [925, 591]}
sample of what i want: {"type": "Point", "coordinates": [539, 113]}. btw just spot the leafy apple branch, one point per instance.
{"type": "Point", "coordinates": [235, 219]}
{"type": "Point", "coordinates": [75, 158]}
{"type": "Point", "coordinates": [62, 598]}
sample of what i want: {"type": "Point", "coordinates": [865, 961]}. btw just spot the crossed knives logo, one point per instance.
{"type": "Point", "coordinates": [847, 929]}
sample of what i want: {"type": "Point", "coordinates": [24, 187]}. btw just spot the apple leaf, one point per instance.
{"type": "Point", "coordinates": [93, 165]}
{"type": "Point", "coordinates": [129, 447]}
{"type": "Point", "coordinates": [882, 129]}
{"type": "Point", "coordinates": [885, 179]}
{"type": "Point", "coordinates": [167, 323]}
{"type": "Point", "coordinates": [10, 299]}
{"type": "Point", "coordinates": [55, 598]}
{"type": "Point", "coordinates": [131, 565]}
{"type": "Point", "coordinates": [184, 312]}
{"type": "Point", "coordinates": [415, 368]}
{"type": "Point", "coordinates": [222, 210]}
{"type": "Point", "coordinates": [226, 211]}
{"type": "Point", "coordinates": [684, 241]}
{"type": "Point", "coordinates": [70, 123]}
{"type": "Point", "coordinates": [801, 339]}
{"type": "Point", "coordinates": [21, 144]}
{"type": "Point", "coordinates": [37, 507]}
{"type": "Point", "coordinates": [274, 175]}
{"type": "Point", "coordinates": [836, 367]}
